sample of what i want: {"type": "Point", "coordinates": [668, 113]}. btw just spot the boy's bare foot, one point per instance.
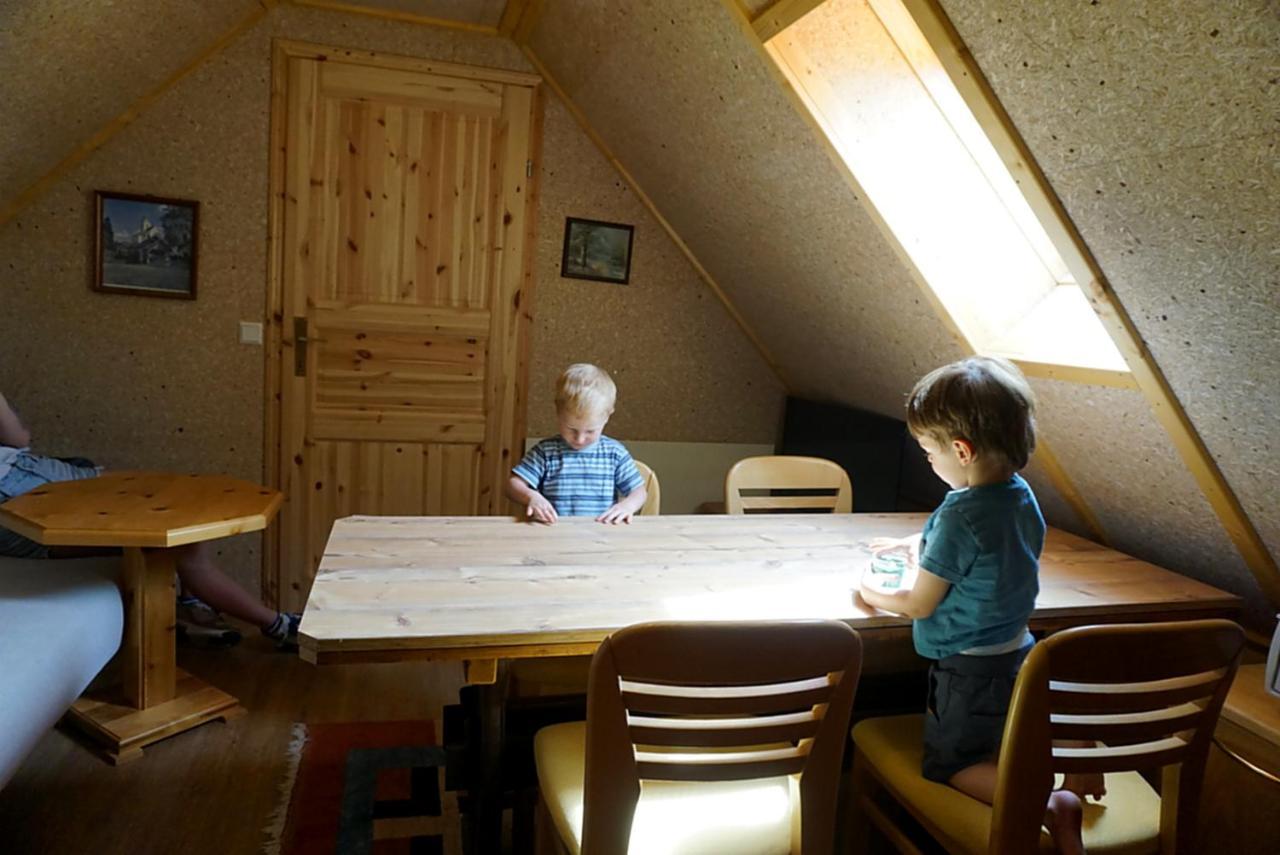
{"type": "Point", "coordinates": [1064, 817]}
{"type": "Point", "coordinates": [1093, 784]}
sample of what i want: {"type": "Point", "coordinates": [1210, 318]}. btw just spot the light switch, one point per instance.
{"type": "Point", "coordinates": [250, 332]}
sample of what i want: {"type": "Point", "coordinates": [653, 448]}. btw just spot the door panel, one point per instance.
{"type": "Point", "coordinates": [405, 288]}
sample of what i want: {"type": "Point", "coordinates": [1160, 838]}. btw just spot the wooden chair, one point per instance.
{"type": "Point", "coordinates": [783, 483]}
{"type": "Point", "coordinates": [653, 501]}
{"type": "Point", "coordinates": [735, 729]}
{"type": "Point", "coordinates": [1147, 695]}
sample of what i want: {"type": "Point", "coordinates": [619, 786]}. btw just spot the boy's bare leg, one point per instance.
{"type": "Point", "coordinates": [1083, 785]}
{"type": "Point", "coordinates": [201, 576]}
{"type": "Point", "coordinates": [1063, 815]}
{"type": "Point", "coordinates": [978, 781]}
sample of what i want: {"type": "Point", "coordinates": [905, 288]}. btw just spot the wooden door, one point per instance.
{"type": "Point", "coordinates": [405, 231]}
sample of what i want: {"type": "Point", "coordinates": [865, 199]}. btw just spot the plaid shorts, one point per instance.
{"type": "Point", "coordinates": [28, 472]}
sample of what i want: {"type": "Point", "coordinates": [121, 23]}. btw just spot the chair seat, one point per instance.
{"type": "Point", "coordinates": [695, 818]}
{"type": "Point", "coordinates": [1127, 822]}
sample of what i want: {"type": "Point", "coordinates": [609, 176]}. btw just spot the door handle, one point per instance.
{"type": "Point", "coordinates": [300, 340]}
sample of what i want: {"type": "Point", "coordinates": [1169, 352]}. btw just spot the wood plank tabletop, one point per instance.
{"type": "Point", "coordinates": [464, 587]}
{"type": "Point", "coordinates": [141, 509]}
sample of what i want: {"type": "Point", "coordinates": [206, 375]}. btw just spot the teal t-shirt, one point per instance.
{"type": "Point", "coordinates": [986, 542]}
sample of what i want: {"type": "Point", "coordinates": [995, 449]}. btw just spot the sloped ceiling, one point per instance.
{"type": "Point", "coordinates": [1155, 123]}
{"type": "Point", "coordinates": [685, 103]}
{"type": "Point", "coordinates": [72, 75]}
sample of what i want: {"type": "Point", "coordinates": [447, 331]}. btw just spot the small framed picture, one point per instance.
{"type": "Point", "coordinates": [596, 250]}
{"type": "Point", "coordinates": [145, 245]}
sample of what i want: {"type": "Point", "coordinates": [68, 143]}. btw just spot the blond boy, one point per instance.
{"type": "Point", "coordinates": [580, 472]}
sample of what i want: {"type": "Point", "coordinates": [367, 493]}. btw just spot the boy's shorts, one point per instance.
{"type": "Point", "coordinates": [968, 703]}
{"type": "Point", "coordinates": [29, 471]}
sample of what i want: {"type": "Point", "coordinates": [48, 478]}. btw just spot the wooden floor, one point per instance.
{"type": "Point", "coordinates": [210, 790]}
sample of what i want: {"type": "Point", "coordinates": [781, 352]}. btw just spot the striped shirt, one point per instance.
{"type": "Point", "coordinates": [579, 483]}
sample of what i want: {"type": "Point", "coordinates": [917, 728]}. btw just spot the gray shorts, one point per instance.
{"type": "Point", "coordinates": [968, 703]}
{"type": "Point", "coordinates": [28, 472]}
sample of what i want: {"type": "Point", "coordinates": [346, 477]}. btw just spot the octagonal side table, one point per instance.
{"type": "Point", "coordinates": [147, 514]}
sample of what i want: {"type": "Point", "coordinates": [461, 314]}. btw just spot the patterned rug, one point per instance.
{"type": "Point", "coordinates": [364, 788]}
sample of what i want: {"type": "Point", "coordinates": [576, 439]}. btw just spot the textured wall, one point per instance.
{"type": "Point", "coordinates": [69, 67]}
{"type": "Point", "coordinates": [1146, 500]}
{"type": "Point", "coordinates": [1158, 124]}
{"type": "Point", "coordinates": [684, 369]}
{"type": "Point", "coordinates": [140, 382]}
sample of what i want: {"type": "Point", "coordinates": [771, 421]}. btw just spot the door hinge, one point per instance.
{"type": "Point", "coordinates": [528, 169]}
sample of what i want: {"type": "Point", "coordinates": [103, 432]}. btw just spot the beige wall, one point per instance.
{"type": "Point", "coordinates": [142, 382]}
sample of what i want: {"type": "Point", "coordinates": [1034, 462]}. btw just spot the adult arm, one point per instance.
{"type": "Point", "coordinates": [13, 432]}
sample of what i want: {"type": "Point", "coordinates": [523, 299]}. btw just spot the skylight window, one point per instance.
{"type": "Point", "coordinates": [939, 185]}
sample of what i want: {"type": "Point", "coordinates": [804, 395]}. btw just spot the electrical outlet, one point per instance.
{"type": "Point", "coordinates": [250, 332]}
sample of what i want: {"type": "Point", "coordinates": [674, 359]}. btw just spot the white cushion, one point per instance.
{"type": "Point", "coordinates": [60, 622]}
{"type": "Point", "coordinates": [695, 818]}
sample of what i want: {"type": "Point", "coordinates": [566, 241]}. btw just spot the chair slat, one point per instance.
{"type": "Point", "coordinates": [760, 735]}
{"type": "Point", "coordinates": [748, 705]}
{"type": "Point", "coordinates": [824, 503]}
{"type": "Point", "coordinates": [1107, 697]}
{"type": "Point", "coordinates": [1120, 758]}
{"type": "Point", "coordinates": [731, 690]}
{"type": "Point", "coordinates": [744, 771]}
{"type": "Point", "coordinates": [1127, 727]}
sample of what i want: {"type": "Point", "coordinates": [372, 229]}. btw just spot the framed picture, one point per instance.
{"type": "Point", "coordinates": [596, 250]}
{"type": "Point", "coordinates": [145, 245]}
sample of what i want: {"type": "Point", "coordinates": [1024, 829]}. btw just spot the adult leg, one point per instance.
{"type": "Point", "coordinates": [201, 576]}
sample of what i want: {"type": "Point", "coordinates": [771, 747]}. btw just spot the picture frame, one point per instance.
{"type": "Point", "coordinates": [145, 245]}
{"type": "Point", "coordinates": [597, 250]}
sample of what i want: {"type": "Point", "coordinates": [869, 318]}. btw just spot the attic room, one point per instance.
{"type": "Point", "coordinates": [562, 426]}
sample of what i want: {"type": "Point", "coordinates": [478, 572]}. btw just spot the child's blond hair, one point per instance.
{"type": "Point", "coordinates": [585, 390]}
{"type": "Point", "coordinates": [983, 400]}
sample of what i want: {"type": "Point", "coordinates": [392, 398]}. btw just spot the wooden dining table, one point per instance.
{"type": "Point", "coordinates": [486, 590]}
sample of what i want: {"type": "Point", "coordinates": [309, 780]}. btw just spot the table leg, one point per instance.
{"type": "Point", "coordinates": [157, 699]}
{"type": "Point", "coordinates": [485, 829]}
{"type": "Point", "coordinates": [148, 659]}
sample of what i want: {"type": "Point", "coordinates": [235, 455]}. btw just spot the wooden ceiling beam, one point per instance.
{"type": "Point", "coordinates": [781, 15]}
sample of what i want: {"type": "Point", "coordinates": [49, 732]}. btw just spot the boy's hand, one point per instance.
{"type": "Point", "coordinates": [617, 513]}
{"type": "Point", "coordinates": [541, 510]}
{"type": "Point", "coordinates": [909, 546]}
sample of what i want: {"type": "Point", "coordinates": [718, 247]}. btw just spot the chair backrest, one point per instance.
{"type": "Point", "coordinates": [785, 483]}
{"type": "Point", "coordinates": [760, 699]}
{"type": "Point", "coordinates": [1148, 695]}
{"type": "Point", "coordinates": [653, 499]}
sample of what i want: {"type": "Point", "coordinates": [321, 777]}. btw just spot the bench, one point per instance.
{"type": "Point", "coordinates": [60, 623]}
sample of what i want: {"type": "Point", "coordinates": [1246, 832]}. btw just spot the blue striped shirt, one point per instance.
{"type": "Point", "coordinates": [579, 483]}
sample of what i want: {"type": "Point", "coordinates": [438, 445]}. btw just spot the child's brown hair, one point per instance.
{"type": "Point", "coordinates": [983, 400]}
